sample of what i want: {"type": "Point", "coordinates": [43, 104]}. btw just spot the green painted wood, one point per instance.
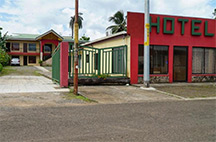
{"type": "Point", "coordinates": [56, 65]}
{"type": "Point", "coordinates": [112, 60]}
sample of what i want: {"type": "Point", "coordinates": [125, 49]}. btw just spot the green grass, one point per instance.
{"type": "Point", "coordinates": [7, 70]}
{"type": "Point", "coordinates": [36, 73]}
{"type": "Point", "coordinates": [71, 96]}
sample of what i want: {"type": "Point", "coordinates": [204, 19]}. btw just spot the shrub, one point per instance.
{"type": "Point", "coordinates": [4, 58]}
{"type": "Point", "coordinates": [1, 67]}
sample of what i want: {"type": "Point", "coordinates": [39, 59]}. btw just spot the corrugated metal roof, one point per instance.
{"type": "Point", "coordinates": [19, 36]}
{"type": "Point", "coordinates": [105, 38]}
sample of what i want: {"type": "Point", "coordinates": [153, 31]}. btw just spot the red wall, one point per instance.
{"type": "Point", "coordinates": [135, 27]}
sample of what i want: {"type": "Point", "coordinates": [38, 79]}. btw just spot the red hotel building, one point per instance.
{"type": "Point", "coordinates": [182, 49]}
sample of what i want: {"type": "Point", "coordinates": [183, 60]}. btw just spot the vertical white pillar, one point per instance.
{"type": "Point", "coordinates": [146, 46]}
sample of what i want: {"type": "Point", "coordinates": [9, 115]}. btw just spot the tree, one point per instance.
{"type": "Point", "coordinates": [85, 38]}
{"type": "Point", "coordinates": [72, 20]}
{"type": "Point", "coordinates": [4, 57]}
{"type": "Point", "coordinates": [2, 40]}
{"type": "Point", "coordinates": [214, 13]}
{"type": "Point", "coordinates": [120, 22]}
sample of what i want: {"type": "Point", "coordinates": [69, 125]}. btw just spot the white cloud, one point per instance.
{"type": "Point", "coordinates": [39, 16]}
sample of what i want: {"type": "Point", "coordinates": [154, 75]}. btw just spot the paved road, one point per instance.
{"type": "Point", "coordinates": [170, 121]}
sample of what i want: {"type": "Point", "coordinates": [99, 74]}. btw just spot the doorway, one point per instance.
{"type": "Point", "coordinates": [25, 61]}
{"type": "Point", "coordinates": [25, 48]}
{"type": "Point", "coordinates": [180, 64]}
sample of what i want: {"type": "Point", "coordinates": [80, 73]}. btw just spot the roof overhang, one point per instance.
{"type": "Point", "coordinates": [60, 38]}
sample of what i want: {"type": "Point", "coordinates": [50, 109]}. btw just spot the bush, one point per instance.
{"type": "Point", "coordinates": [1, 67]}
{"type": "Point", "coordinates": [4, 58]}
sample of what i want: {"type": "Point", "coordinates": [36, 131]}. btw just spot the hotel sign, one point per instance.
{"type": "Point", "coordinates": [194, 26]}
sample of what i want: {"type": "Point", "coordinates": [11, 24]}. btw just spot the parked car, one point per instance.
{"type": "Point", "coordinates": [15, 61]}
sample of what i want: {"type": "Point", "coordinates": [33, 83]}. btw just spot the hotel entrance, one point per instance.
{"type": "Point", "coordinates": [180, 64]}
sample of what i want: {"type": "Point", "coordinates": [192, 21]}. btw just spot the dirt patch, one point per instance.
{"type": "Point", "coordinates": [190, 91]}
{"type": "Point", "coordinates": [121, 94]}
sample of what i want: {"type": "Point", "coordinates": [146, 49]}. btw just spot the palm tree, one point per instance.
{"type": "Point", "coordinates": [71, 24]}
{"type": "Point", "coordinates": [120, 22]}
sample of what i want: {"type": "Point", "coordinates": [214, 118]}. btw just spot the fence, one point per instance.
{"type": "Point", "coordinates": [56, 64]}
{"type": "Point", "coordinates": [110, 61]}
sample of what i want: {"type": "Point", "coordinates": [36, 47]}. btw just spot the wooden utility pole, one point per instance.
{"type": "Point", "coordinates": [76, 32]}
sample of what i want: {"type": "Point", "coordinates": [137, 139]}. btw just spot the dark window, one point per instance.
{"type": "Point", "coordinates": [158, 59]}
{"type": "Point", "coordinates": [48, 47]}
{"type": "Point", "coordinates": [96, 61]}
{"type": "Point", "coordinates": [204, 60]}
{"type": "Point", "coordinates": [32, 47]}
{"type": "Point", "coordinates": [15, 46]}
{"type": "Point", "coordinates": [32, 59]}
{"type": "Point", "coordinates": [87, 58]}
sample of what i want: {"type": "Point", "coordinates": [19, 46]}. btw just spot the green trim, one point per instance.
{"type": "Point", "coordinates": [195, 27]}
{"type": "Point", "coordinates": [206, 30]}
{"type": "Point", "coordinates": [155, 24]}
{"type": "Point", "coordinates": [165, 31]}
{"type": "Point", "coordinates": [183, 21]}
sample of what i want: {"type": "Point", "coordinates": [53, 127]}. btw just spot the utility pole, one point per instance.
{"type": "Point", "coordinates": [146, 69]}
{"type": "Point", "coordinates": [76, 32]}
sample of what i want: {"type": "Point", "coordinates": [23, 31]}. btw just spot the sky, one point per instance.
{"type": "Point", "coordinates": [39, 16]}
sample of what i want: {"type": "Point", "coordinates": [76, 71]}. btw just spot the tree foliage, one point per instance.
{"type": "Point", "coordinates": [85, 38]}
{"type": "Point", "coordinates": [120, 22]}
{"type": "Point", "coordinates": [4, 57]}
{"type": "Point", "coordinates": [214, 13]}
{"type": "Point", "coordinates": [72, 22]}
{"type": "Point", "coordinates": [2, 40]}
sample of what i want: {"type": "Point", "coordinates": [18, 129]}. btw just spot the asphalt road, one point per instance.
{"type": "Point", "coordinates": [166, 121]}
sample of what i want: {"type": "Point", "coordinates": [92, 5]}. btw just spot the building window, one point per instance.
{"type": "Point", "coordinates": [79, 61]}
{"type": "Point", "coordinates": [15, 46]}
{"type": "Point", "coordinates": [32, 59]}
{"type": "Point", "coordinates": [96, 61]}
{"type": "Point", "coordinates": [204, 60]}
{"type": "Point", "coordinates": [87, 58]}
{"type": "Point", "coordinates": [158, 59]}
{"type": "Point", "coordinates": [47, 47]}
{"type": "Point", "coordinates": [32, 47]}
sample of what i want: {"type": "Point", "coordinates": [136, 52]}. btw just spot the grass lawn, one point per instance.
{"type": "Point", "coordinates": [71, 96]}
{"type": "Point", "coordinates": [190, 91]}
{"type": "Point", "coordinates": [20, 70]}
{"type": "Point", "coordinates": [7, 71]}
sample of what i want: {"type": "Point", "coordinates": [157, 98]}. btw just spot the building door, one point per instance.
{"type": "Point", "coordinates": [25, 47]}
{"type": "Point", "coordinates": [25, 61]}
{"type": "Point", "coordinates": [180, 64]}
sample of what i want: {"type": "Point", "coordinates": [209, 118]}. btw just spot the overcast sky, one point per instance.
{"type": "Point", "coordinates": [39, 16]}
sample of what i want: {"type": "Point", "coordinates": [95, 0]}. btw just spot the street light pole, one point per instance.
{"type": "Point", "coordinates": [76, 32]}
{"type": "Point", "coordinates": [146, 69]}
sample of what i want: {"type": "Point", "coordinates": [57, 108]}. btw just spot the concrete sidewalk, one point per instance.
{"type": "Point", "coordinates": [43, 71]}
{"type": "Point", "coordinates": [24, 84]}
